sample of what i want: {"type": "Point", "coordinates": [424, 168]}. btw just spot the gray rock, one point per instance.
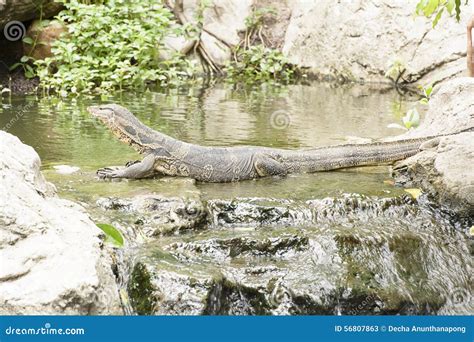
{"type": "Point", "coordinates": [443, 169]}
{"type": "Point", "coordinates": [347, 209]}
{"type": "Point", "coordinates": [450, 109]}
{"type": "Point", "coordinates": [444, 173]}
{"type": "Point", "coordinates": [405, 262]}
{"type": "Point", "coordinates": [53, 261]}
{"type": "Point", "coordinates": [256, 212]}
{"type": "Point", "coordinates": [24, 10]}
{"type": "Point", "coordinates": [223, 19]}
{"type": "Point", "coordinates": [157, 214]}
{"type": "Point", "coordinates": [359, 40]}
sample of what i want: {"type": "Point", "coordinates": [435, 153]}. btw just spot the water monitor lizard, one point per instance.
{"type": "Point", "coordinates": [165, 155]}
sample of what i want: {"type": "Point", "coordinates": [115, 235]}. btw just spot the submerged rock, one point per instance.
{"type": "Point", "coordinates": [256, 212]}
{"type": "Point", "coordinates": [52, 259]}
{"type": "Point", "coordinates": [394, 259]}
{"type": "Point", "coordinates": [157, 214]}
{"type": "Point", "coordinates": [442, 169]}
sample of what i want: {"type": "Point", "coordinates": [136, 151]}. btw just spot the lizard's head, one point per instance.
{"type": "Point", "coordinates": [112, 115]}
{"type": "Point", "coordinates": [121, 122]}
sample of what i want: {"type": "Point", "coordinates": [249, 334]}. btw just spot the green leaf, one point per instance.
{"type": "Point", "coordinates": [24, 59]}
{"type": "Point", "coordinates": [430, 8]}
{"type": "Point", "coordinates": [428, 90]}
{"type": "Point", "coordinates": [113, 235]}
{"type": "Point", "coordinates": [14, 66]}
{"type": "Point", "coordinates": [438, 16]}
{"type": "Point", "coordinates": [414, 192]}
{"type": "Point", "coordinates": [450, 6]}
{"type": "Point", "coordinates": [395, 125]}
{"type": "Point", "coordinates": [458, 10]}
{"type": "Point", "coordinates": [29, 72]}
{"type": "Point", "coordinates": [423, 101]}
{"type": "Point", "coordinates": [28, 40]}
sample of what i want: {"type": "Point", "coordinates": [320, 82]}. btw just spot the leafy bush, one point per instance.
{"type": "Point", "coordinates": [112, 45]}
{"type": "Point", "coordinates": [429, 7]}
{"type": "Point", "coordinates": [258, 63]}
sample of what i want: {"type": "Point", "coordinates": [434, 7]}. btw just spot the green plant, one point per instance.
{"type": "Point", "coordinates": [428, 8]}
{"type": "Point", "coordinates": [113, 45]}
{"type": "Point", "coordinates": [112, 234]}
{"type": "Point", "coordinates": [258, 63]}
{"type": "Point", "coordinates": [396, 70]}
{"type": "Point", "coordinates": [411, 118]}
{"type": "Point", "coordinates": [425, 93]}
{"type": "Point", "coordinates": [27, 61]}
{"type": "Point", "coordinates": [255, 20]}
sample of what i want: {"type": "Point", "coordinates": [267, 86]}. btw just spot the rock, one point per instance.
{"type": "Point", "coordinates": [403, 263]}
{"type": "Point", "coordinates": [24, 10]}
{"type": "Point", "coordinates": [358, 41]}
{"type": "Point", "coordinates": [221, 21]}
{"type": "Point", "coordinates": [157, 214]}
{"type": "Point", "coordinates": [45, 36]}
{"type": "Point", "coordinates": [53, 261]}
{"type": "Point", "coordinates": [217, 51]}
{"type": "Point", "coordinates": [347, 209]}
{"type": "Point", "coordinates": [442, 170]}
{"type": "Point", "coordinates": [450, 109]}
{"type": "Point", "coordinates": [256, 212]}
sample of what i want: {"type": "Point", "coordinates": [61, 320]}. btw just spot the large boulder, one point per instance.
{"type": "Point", "coordinates": [52, 259]}
{"type": "Point", "coordinates": [358, 40]}
{"type": "Point", "coordinates": [442, 169]}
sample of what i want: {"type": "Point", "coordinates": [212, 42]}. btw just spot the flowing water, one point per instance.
{"type": "Point", "coordinates": [320, 243]}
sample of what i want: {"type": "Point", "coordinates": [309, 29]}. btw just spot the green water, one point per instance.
{"type": "Point", "coordinates": [63, 133]}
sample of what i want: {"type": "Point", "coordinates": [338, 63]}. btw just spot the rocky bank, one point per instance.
{"type": "Point", "coordinates": [53, 260]}
{"type": "Point", "coordinates": [442, 169]}
{"type": "Point", "coordinates": [346, 41]}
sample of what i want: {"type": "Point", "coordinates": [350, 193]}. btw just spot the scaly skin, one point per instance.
{"type": "Point", "coordinates": [171, 157]}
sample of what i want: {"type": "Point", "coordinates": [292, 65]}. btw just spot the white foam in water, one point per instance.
{"type": "Point", "coordinates": [66, 169]}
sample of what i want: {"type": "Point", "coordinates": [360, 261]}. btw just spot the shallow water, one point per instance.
{"type": "Point", "coordinates": [295, 116]}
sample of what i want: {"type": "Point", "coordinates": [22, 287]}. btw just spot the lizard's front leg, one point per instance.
{"type": "Point", "coordinates": [143, 169]}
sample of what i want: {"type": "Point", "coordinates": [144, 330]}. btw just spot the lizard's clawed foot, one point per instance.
{"type": "Point", "coordinates": [107, 172]}
{"type": "Point", "coordinates": [132, 162]}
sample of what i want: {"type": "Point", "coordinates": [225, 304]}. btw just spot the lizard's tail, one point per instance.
{"type": "Point", "coordinates": [351, 155]}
